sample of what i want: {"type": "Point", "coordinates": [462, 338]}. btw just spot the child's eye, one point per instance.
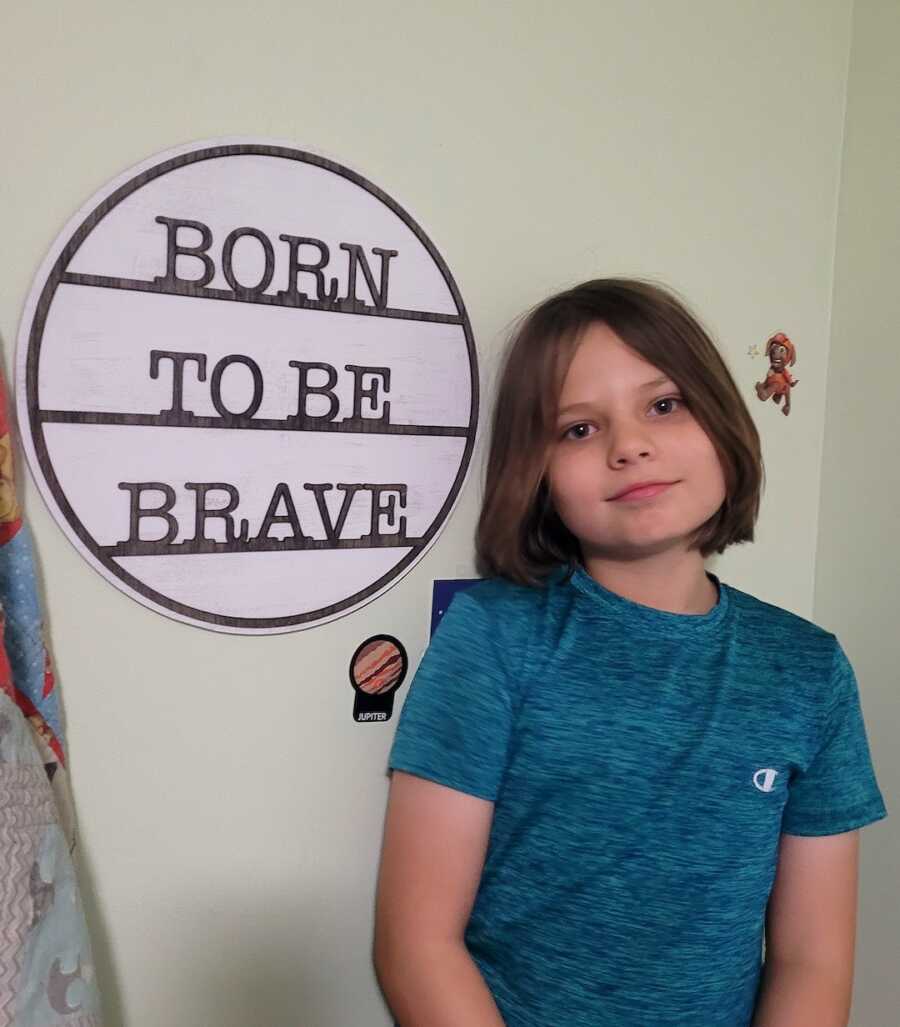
{"type": "Point", "coordinates": [579, 431]}
{"type": "Point", "coordinates": [667, 405]}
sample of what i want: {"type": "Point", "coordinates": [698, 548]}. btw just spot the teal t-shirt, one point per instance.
{"type": "Point", "coordinates": [642, 766]}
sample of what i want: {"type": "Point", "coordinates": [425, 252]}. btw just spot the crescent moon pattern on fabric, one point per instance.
{"type": "Point", "coordinates": [58, 984]}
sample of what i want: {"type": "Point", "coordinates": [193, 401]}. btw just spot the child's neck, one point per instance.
{"type": "Point", "coordinates": [674, 581]}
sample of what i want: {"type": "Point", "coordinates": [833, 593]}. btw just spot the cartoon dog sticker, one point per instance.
{"type": "Point", "coordinates": [782, 354]}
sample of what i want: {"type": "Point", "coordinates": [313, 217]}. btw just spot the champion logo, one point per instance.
{"type": "Point", "coordinates": [764, 779]}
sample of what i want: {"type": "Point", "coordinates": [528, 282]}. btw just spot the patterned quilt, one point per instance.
{"type": "Point", "coordinates": [46, 968]}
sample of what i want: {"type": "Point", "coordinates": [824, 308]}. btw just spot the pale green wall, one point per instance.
{"type": "Point", "coordinates": [230, 808]}
{"type": "Point", "coordinates": [858, 559]}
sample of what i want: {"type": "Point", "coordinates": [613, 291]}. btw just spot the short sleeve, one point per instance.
{"type": "Point", "coordinates": [838, 791]}
{"type": "Point", "coordinates": [455, 724]}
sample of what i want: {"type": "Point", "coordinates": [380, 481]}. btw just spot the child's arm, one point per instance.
{"type": "Point", "coordinates": [811, 933]}
{"type": "Point", "coordinates": [435, 841]}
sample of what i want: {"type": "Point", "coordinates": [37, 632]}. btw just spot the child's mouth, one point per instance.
{"type": "Point", "coordinates": [641, 490]}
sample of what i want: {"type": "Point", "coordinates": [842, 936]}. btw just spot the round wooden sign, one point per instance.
{"type": "Point", "coordinates": [247, 386]}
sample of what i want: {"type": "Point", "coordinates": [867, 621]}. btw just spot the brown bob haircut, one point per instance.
{"type": "Point", "coordinates": [520, 536]}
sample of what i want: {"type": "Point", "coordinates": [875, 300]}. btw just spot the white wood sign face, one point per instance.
{"type": "Point", "coordinates": [247, 386]}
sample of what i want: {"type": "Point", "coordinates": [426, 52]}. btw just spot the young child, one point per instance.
{"type": "Point", "coordinates": [613, 772]}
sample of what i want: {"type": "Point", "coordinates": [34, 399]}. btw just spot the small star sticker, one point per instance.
{"type": "Point", "coordinates": [753, 351]}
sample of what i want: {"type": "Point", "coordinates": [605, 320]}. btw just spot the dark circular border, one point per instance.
{"type": "Point", "coordinates": [34, 347]}
{"type": "Point", "coordinates": [404, 661]}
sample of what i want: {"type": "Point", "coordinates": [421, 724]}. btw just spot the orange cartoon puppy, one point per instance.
{"type": "Point", "coordinates": [778, 384]}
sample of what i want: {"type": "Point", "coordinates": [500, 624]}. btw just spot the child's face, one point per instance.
{"type": "Point", "coordinates": [622, 424]}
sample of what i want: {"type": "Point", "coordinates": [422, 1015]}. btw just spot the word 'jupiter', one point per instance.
{"type": "Point", "coordinates": [323, 530]}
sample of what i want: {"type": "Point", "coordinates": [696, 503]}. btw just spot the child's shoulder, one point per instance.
{"type": "Point", "coordinates": [506, 610]}
{"type": "Point", "coordinates": [493, 613]}
{"type": "Point", "coordinates": [777, 623]}
{"type": "Point", "coordinates": [502, 597]}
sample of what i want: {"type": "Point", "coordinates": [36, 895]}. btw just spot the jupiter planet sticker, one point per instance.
{"type": "Point", "coordinates": [247, 386]}
{"type": "Point", "coordinates": [377, 670]}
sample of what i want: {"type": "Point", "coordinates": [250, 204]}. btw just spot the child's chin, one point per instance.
{"type": "Point", "coordinates": [641, 547]}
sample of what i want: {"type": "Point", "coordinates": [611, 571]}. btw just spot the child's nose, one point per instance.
{"type": "Point", "coordinates": [629, 444]}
